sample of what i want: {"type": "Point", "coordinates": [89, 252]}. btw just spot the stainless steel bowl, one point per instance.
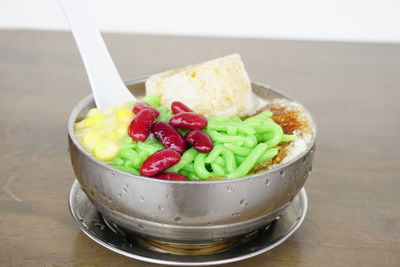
{"type": "Point", "coordinates": [188, 212]}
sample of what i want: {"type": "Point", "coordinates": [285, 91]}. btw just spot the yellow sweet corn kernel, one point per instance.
{"type": "Point", "coordinates": [98, 125]}
{"type": "Point", "coordinates": [105, 150]}
{"type": "Point", "coordinates": [90, 140]}
{"type": "Point", "coordinates": [114, 137]}
{"type": "Point", "coordinates": [92, 112]}
{"type": "Point", "coordinates": [122, 130]}
{"type": "Point", "coordinates": [118, 133]}
{"type": "Point", "coordinates": [108, 132]}
{"type": "Point", "coordinates": [109, 111]}
{"type": "Point", "coordinates": [124, 115]}
{"type": "Point", "coordinates": [80, 139]}
{"type": "Point", "coordinates": [91, 121]}
{"type": "Point", "coordinates": [80, 125]}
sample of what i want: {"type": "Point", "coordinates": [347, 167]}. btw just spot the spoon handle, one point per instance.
{"type": "Point", "coordinates": [107, 87]}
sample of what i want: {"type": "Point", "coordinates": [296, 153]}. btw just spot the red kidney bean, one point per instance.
{"type": "Point", "coordinates": [171, 176]}
{"type": "Point", "coordinates": [188, 120]}
{"type": "Point", "coordinates": [159, 161]}
{"type": "Point", "coordinates": [139, 128]}
{"type": "Point", "coordinates": [179, 107]}
{"type": "Point", "coordinates": [139, 106]}
{"type": "Point", "coordinates": [200, 141]}
{"type": "Point", "coordinates": [168, 136]}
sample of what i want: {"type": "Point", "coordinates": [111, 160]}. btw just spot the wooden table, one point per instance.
{"type": "Point", "coordinates": [352, 89]}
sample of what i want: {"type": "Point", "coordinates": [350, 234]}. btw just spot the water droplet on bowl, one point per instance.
{"type": "Point", "coordinates": [251, 235]}
{"type": "Point", "coordinates": [236, 214]}
{"type": "Point", "coordinates": [160, 207]}
{"type": "Point", "coordinates": [141, 199]}
{"type": "Point", "coordinates": [141, 227]}
{"type": "Point", "coordinates": [125, 188]}
{"type": "Point", "coordinates": [109, 199]}
{"type": "Point", "coordinates": [99, 225]}
{"type": "Point", "coordinates": [112, 174]}
{"type": "Point", "coordinates": [282, 173]}
{"type": "Point", "coordinates": [310, 170]}
{"type": "Point", "coordinates": [230, 189]}
{"type": "Point", "coordinates": [95, 187]}
{"type": "Point", "coordinates": [83, 223]}
{"type": "Point", "coordinates": [178, 220]}
{"type": "Point", "coordinates": [119, 195]}
{"type": "Point", "coordinates": [267, 182]}
{"type": "Point", "coordinates": [242, 202]}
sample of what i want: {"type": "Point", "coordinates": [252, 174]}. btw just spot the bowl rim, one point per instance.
{"type": "Point", "coordinates": [86, 100]}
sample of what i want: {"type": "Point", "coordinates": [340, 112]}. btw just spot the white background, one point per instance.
{"type": "Point", "coordinates": [341, 20]}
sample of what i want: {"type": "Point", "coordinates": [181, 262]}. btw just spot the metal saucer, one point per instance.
{"type": "Point", "coordinates": [91, 222]}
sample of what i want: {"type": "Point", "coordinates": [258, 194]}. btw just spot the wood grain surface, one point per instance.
{"type": "Point", "coordinates": [352, 89]}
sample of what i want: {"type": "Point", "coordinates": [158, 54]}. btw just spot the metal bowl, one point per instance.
{"type": "Point", "coordinates": [187, 211]}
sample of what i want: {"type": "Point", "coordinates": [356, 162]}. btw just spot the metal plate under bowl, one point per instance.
{"type": "Point", "coordinates": [91, 222]}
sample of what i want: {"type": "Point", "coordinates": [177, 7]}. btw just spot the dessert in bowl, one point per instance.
{"type": "Point", "coordinates": [204, 208]}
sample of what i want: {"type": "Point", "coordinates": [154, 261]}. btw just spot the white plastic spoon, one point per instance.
{"type": "Point", "coordinates": [106, 83]}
